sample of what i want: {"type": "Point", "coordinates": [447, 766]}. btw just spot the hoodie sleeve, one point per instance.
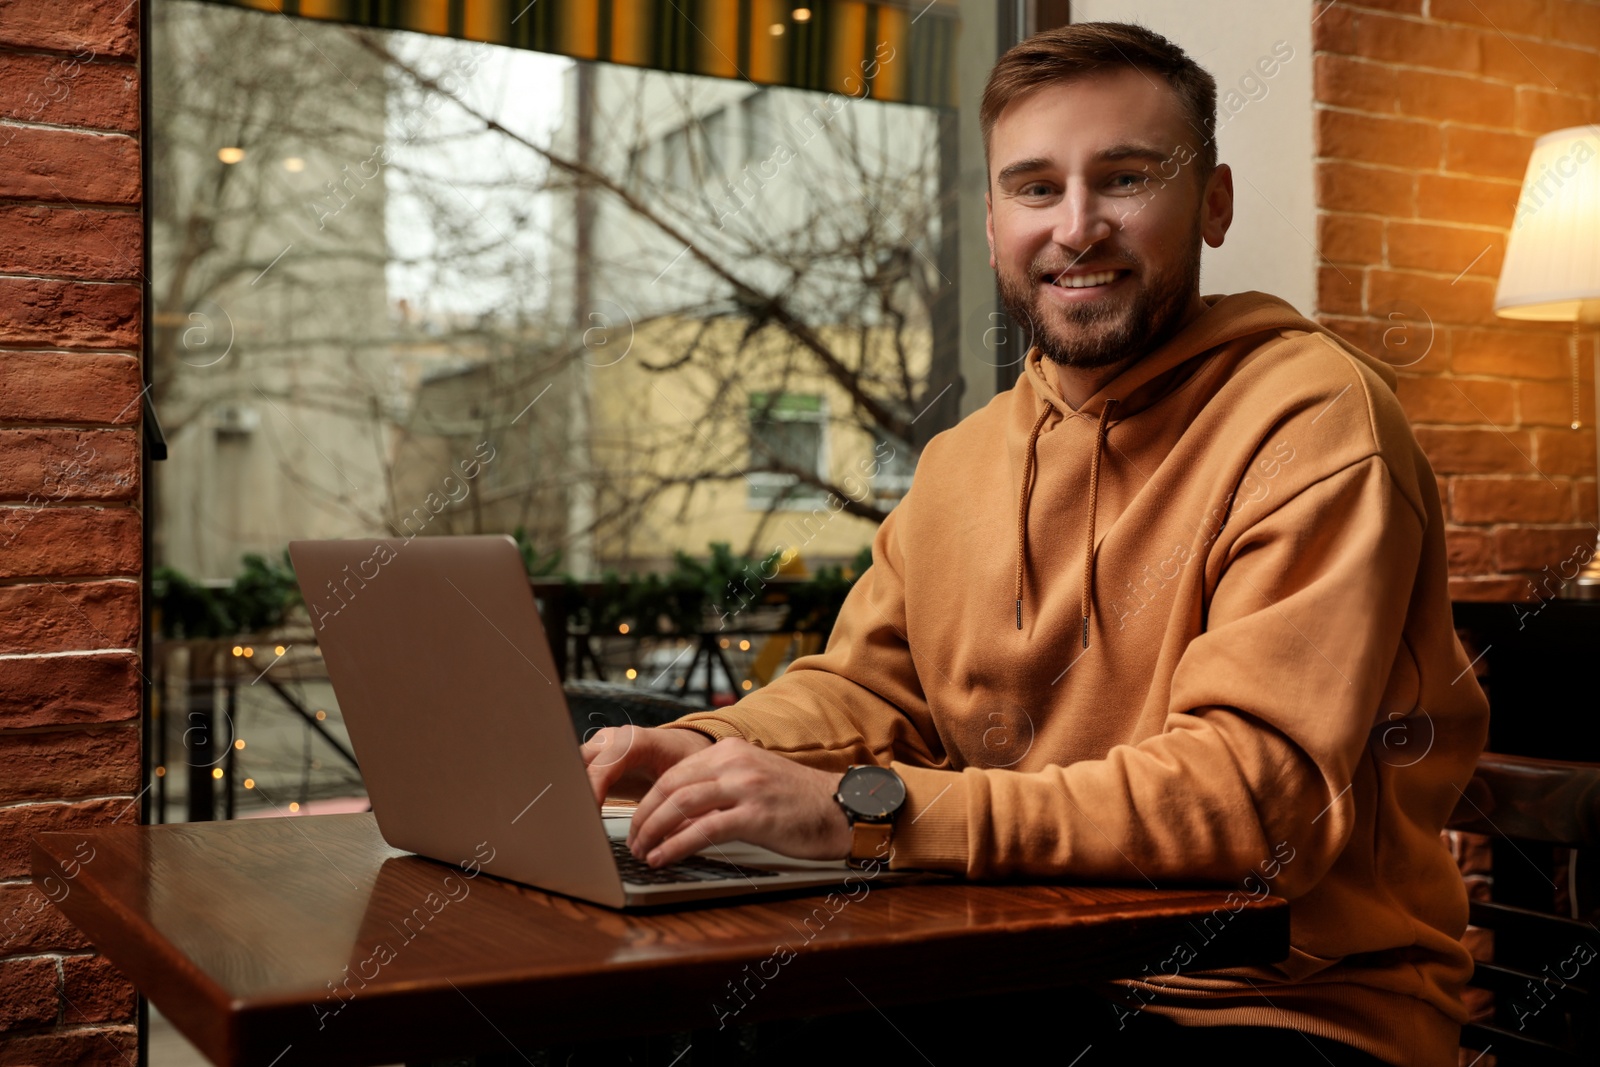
{"type": "Point", "coordinates": [1270, 712]}
{"type": "Point", "coordinates": [859, 700]}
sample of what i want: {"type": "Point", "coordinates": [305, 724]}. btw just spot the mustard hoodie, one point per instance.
{"type": "Point", "coordinates": [1195, 631]}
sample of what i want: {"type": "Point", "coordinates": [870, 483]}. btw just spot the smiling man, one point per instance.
{"type": "Point", "coordinates": [1172, 610]}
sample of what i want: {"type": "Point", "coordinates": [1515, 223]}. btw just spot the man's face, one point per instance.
{"type": "Point", "coordinates": [1096, 214]}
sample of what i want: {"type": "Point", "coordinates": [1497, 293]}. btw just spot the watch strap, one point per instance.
{"type": "Point", "coordinates": [869, 842]}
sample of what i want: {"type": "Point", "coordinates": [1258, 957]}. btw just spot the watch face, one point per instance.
{"type": "Point", "coordinates": [872, 792]}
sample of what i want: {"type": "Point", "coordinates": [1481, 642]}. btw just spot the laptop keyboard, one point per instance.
{"type": "Point", "coordinates": [693, 869]}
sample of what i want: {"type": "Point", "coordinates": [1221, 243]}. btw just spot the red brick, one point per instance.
{"type": "Point", "coordinates": [68, 617]}
{"type": "Point", "coordinates": [1550, 404]}
{"type": "Point", "coordinates": [1520, 351]}
{"type": "Point", "coordinates": [1532, 499]}
{"type": "Point", "coordinates": [1482, 201]}
{"type": "Point", "coordinates": [1569, 452]}
{"type": "Point", "coordinates": [1393, 142]}
{"type": "Point", "coordinates": [1585, 504]}
{"type": "Point", "coordinates": [68, 314]}
{"type": "Point", "coordinates": [30, 923]}
{"type": "Point", "coordinates": [64, 764]}
{"type": "Point", "coordinates": [1466, 403]}
{"type": "Point", "coordinates": [79, 1046]}
{"type": "Point", "coordinates": [1444, 249]}
{"type": "Point", "coordinates": [1491, 588]}
{"type": "Point", "coordinates": [1418, 44]}
{"type": "Point", "coordinates": [1521, 17]}
{"type": "Point", "coordinates": [68, 387]}
{"type": "Point", "coordinates": [1409, 7]}
{"type": "Point", "coordinates": [1344, 81]}
{"type": "Point", "coordinates": [52, 466]}
{"type": "Point", "coordinates": [1539, 110]}
{"type": "Point", "coordinates": [64, 165]}
{"type": "Point", "coordinates": [69, 690]}
{"type": "Point", "coordinates": [1578, 21]}
{"type": "Point", "coordinates": [1374, 190]}
{"type": "Point", "coordinates": [70, 242]}
{"type": "Point", "coordinates": [1453, 98]}
{"type": "Point", "coordinates": [1333, 28]}
{"type": "Point", "coordinates": [1350, 238]}
{"type": "Point", "coordinates": [27, 993]}
{"type": "Point", "coordinates": [1468, 551]}
{"type": "Point", "coordinates": [1531, 548]}
{"type": "Point", "coordinates": [1453, 451]}
{"type": "Point", "coordinates": [1466, 299]}
{"type": "Point", "coordinates": [94, 991]}
{"type": "Point", "coordinates": [1339, 290]}
{"type": "Point", "coordinates": [66, 91]}
{"type": "Point", "coordinates": [18, 825]}
{"type": "Point", "coordinates": [69, 542]}
{"type": "Point", "coordinates": [105, 27]}
{"type": "Point", "coordinates": [1487, 153]}
{"type": "Point", "coordinates": [1543, 63]}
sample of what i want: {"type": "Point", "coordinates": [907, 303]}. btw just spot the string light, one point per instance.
{"type": "Point", "coordinates": [724, 642]}
{"type": "Point", "coordinates": [279, 650]}
{"type": "Point", "coordinates": [294, 164]}
{"type": "Point", "coordinates": [216, 772]}
{"type": "Point", "coordinates": [294, 805]}
{"type": "Point", "coordinates": [239, 743]}
{"type": "Point", "coordinates": [744, 646]}
{"type": "Point", "coordinates": [801, 14]}
{"type": "Point", "coordinates": [248, 652]}
{"type": "Point", "coordinates": [161, 772]}
{"type": "Point", "coordinates": [230, 155]}
{"type": "Point", "coordinates": [622, 629]}
{"type": "Point", "coordinates": [632, 674]}
{"type": "Point", "coordinates": [747, 684]}
{"type": "Point", "coordinates": [249, 783]}
{"type": "Point", "coordinates": [238, 650]}
{"type": "Point", "coordinates": [321, 715]}
{"type": "Point", "coordinates": [776, 29]}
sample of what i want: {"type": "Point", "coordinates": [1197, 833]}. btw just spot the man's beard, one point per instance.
{"type": "Point", "coordinates": [1104, 332]}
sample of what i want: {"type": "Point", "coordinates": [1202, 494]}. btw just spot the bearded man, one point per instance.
{"type": "Point", "coordinates": [1160, 614]}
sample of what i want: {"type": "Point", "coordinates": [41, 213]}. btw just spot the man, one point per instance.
{"type": "Point", "coordinates": [1171, 610]}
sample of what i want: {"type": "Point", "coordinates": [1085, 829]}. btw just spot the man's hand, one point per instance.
{"type": "Point", "coordinates": [735, 791]}
{"type": "Point", "coordinates": [625, 761]}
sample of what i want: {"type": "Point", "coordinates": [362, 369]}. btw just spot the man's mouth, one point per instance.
{"type": "Point", "coordinates": [1082, 279]}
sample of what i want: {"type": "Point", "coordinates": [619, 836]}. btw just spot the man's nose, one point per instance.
{"type": "Point", "coordinates": [1082, 219]}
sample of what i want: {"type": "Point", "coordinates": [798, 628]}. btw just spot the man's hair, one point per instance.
{"type": "Point", "coordinates": [1070, 52]}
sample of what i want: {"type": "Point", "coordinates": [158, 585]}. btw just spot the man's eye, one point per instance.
{"type": "Point", "coordinates": [1129, 181]}
{"type": "Point", "coordinates": [1035, 189]}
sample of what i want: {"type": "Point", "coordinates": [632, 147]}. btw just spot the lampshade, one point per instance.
{"type": "Point", "coordinates": [1552, 261]}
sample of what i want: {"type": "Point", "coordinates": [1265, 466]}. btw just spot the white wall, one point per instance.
{"type": "Point", "coordinates": [1268, 140]}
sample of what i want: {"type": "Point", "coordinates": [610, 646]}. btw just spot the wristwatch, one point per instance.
{"type": "Point", "coordinates": [870, 796]}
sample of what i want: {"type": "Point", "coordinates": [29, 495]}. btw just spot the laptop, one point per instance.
{"type": "Point", "coordinates": [449, 691]}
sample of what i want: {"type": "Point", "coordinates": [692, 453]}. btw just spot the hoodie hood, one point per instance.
{"type": "Point", "coordinates": [1145, 382]}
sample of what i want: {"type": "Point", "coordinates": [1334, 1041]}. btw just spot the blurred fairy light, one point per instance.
{"type": "Point", "coordinates": [249, 783]}
{"type": "Point", "coordinates": [294, 805]}
{"type": "Point", "coordinates": [744, 646]}
{"type": "Point", "coordinates": [279, 650]}
{"type": "Point", "coordinates": [321, 715]}
{"type": "Point", "coordinates": [294, 164]}
{"type": "Point", "coordinates": [231, 154]}
{"type": "Point", "coordinates": [239, 743]}
{"type": "Point", "coordinates": [801, 14]}
{"type": "Point", "coordinates": [216, 772]}
{"type": "Point", "coordinates": [238, 650]}
{"type": "Point", "coordinates": [776, 29]}
{"type": "Point", "coordinates": [622, 629]}
{"type": "Point", "coordinates": [747, 684]}
{"type": "Point", "coordinates": [632, 674]}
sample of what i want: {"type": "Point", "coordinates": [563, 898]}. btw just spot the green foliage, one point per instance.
{"type": "Point", "coordinates": [696, 595]}
{"type": "Point", "coordinates": [257, 600]}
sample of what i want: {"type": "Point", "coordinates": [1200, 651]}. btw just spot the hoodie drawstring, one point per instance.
{"type": "Point", "coordinates": [1022, 504]}
{"type": "Point", "coordinates": [1094, 507]}
{"type": "Point", "coordinates": [1029, 462]}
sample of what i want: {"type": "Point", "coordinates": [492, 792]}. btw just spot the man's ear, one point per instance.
{"type": "Point", "coordinates": [988, 226]}
{"type": "Point", "coordinates": [1216, 206]}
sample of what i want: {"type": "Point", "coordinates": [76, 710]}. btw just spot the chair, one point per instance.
{"type": "Point", "coordinates": [1545, 965]}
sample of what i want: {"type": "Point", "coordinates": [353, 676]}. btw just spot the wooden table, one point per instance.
{"type": "Point", "coordinates": [308, 940]}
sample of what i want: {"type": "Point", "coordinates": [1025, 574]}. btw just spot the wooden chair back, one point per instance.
{"type": "Point", "coordinates": [1545, 965]}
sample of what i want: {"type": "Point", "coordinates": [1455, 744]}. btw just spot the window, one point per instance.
{"type": "Point", "coordinates": [896, 461]}
{"type": "Point", "coordinates": [788, 430]}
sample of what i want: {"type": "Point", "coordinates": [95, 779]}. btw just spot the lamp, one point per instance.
{"type": "Point", "coordinates": [1552, 265]}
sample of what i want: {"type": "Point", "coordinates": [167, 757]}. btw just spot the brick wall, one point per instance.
{"type": "Point", "coordinates": [70, 552]}
{"type": "Point", "coordinates": [1426, 111]}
